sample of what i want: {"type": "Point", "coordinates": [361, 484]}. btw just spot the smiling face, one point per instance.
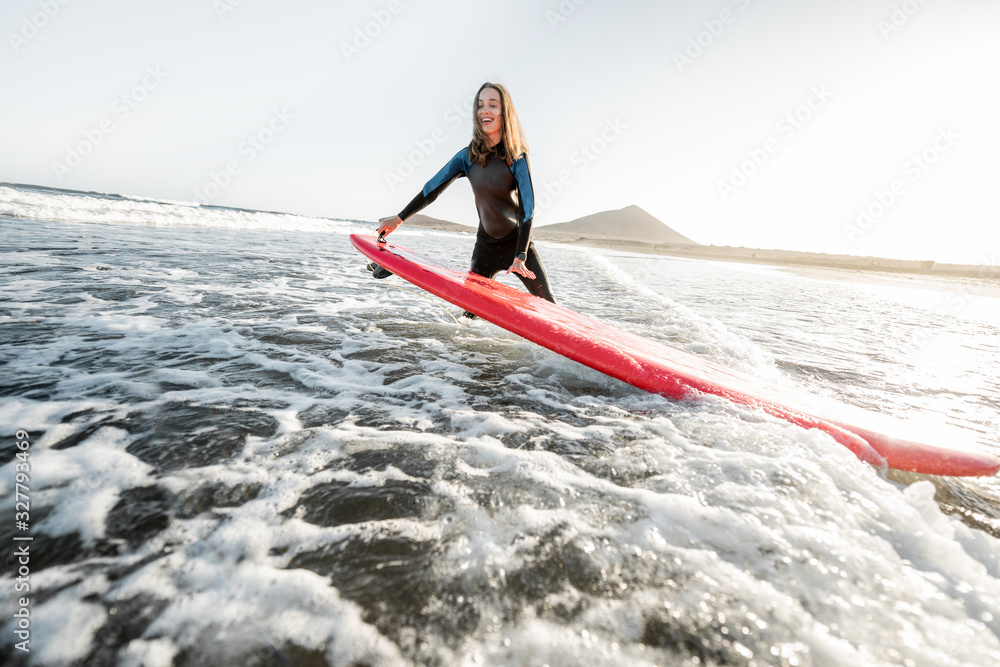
{"type": "Point", "coordinates": [490, 114]}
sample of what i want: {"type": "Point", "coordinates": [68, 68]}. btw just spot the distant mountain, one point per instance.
{"type": "Point", "coordinates": [627, 224]}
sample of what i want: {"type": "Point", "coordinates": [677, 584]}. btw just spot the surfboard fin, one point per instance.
{"type": "Point", "coordinates": [378, 271]}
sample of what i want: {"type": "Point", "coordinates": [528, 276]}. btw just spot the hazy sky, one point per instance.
{"type": "Point", "coordinates": [856, 126]}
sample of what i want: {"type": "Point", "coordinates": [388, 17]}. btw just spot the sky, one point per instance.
{"type": "Point", "coordinates": [865, 127]}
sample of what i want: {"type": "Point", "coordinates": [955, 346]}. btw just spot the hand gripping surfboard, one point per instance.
{"type": "Point", "coordinates": [651, 365]}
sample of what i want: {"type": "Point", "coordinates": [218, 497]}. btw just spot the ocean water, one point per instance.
{"type": "Point", "coordinates": [245, 451]}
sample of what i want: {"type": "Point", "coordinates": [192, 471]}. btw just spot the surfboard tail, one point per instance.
{"type": "Point", "coordinates": [910, 456]}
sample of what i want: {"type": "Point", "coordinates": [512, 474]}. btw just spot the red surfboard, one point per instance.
{"type": "Point", "coordinates": [650, 365]}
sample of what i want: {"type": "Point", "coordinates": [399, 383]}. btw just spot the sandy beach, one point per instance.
{"type": "Point", "coordinates": [842, 264]}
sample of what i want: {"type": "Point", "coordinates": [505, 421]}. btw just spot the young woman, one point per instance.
{"type": "Point", "coordinates": [496, 164]}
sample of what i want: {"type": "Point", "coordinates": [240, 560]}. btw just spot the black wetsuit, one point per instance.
{"type": "Point", "coordinates": [505, 201]}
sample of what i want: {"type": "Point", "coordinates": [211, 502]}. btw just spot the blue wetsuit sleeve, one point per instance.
{"type": "Point", "coordinates": [526, 195]}
{"type": "Point", "coordinates": [457, 166]}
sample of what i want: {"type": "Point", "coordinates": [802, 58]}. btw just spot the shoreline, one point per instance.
{"type": "Point", "coordinates": [779, 258]}
{"type": "Point", "coordinates": [793, 259]}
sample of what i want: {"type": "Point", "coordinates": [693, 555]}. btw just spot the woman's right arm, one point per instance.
{"type": "Point", "coordinates": [456, 167]}
{"type": "Point", "coordinates": [388, 225]}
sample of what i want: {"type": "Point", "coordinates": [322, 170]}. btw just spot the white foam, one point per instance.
{"type": "Point", "coordinates": [83, 483]}
{"type": "Point", "coordinates": [62, 627]}
{"type": "Point", "coordinates": [33, 204]}
{"type": "Point", "coordinates": [148, 653]}
{"type": "Point", "coordinates": [234, 605]}
{"type": "Point", "coordinates": [26, 414]}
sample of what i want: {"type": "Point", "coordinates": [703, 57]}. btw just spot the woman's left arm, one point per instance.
{"type": "Point", "coordinates": [526, 197]}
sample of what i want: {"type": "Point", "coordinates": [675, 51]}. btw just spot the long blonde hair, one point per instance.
{"type": "Point", "coordinates": [512, 137]}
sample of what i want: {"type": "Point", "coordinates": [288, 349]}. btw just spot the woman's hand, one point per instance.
{"type": "Point", "coordinates": [388, 225]}
{"type": "Point", "coordinates": [519, 268]}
